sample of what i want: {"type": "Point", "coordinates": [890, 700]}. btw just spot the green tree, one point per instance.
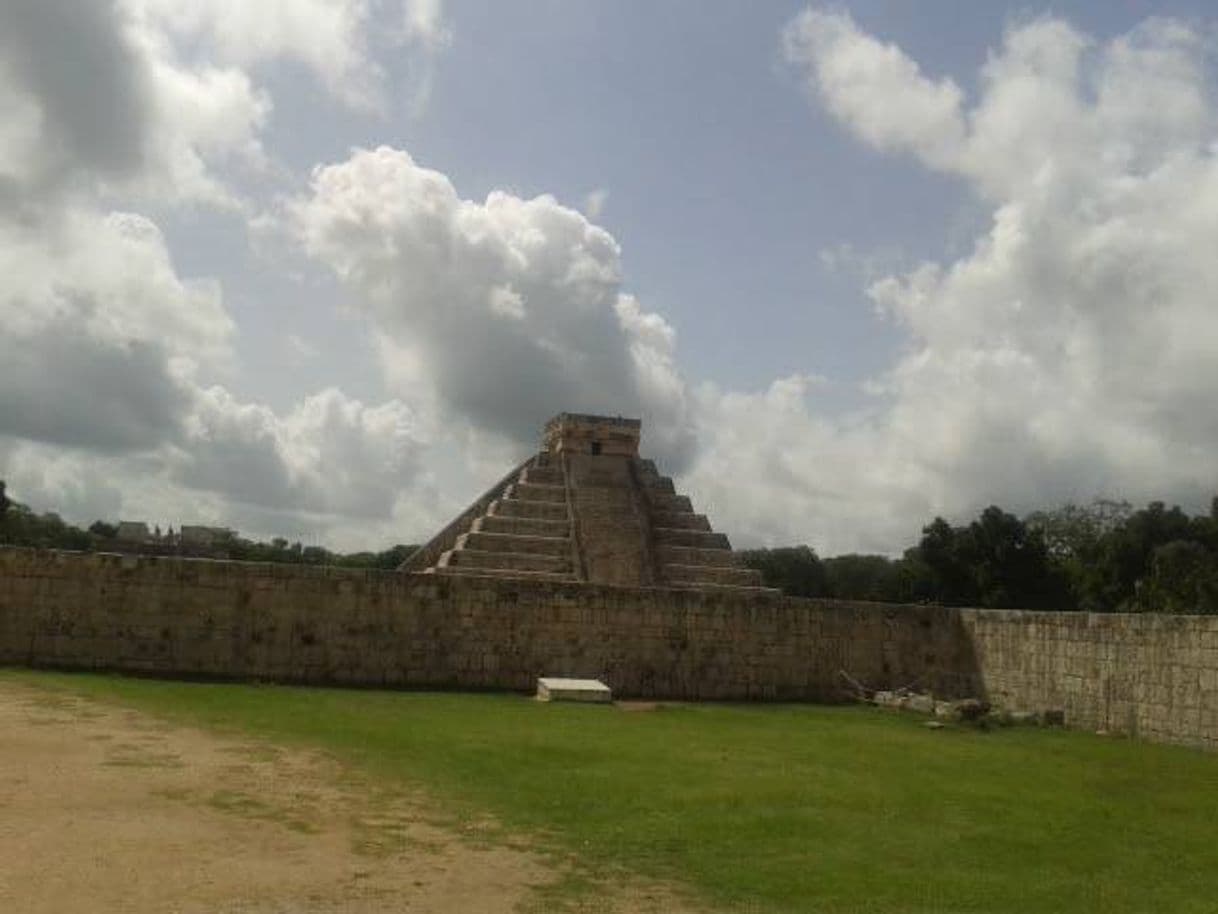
{"type": "Point", "coordinates": [1073, 531]}
{"type": "Point", "coordinates": [796, 570]}
{"type": "Point", "coordinates": [947, 559]}
{"type": "Point", "coordinates": [1123, 555]}
{"type": "Point", "coordinates": [1011, 564]}
{"type": "Point", "coordinates": [864, 577]}
{"type": "Point", "coordinates": [996, 561]}
{"type": "Point", "coordinates": [1183, 579]}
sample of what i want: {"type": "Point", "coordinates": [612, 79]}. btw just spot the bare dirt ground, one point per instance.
{"type": "Point", "coordinates": [104, 809]}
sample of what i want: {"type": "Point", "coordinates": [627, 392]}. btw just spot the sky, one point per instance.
{"type": "Point", "coordinates": [320, 269]}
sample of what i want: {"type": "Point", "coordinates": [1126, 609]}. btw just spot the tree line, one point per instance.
{"type": "Point", "coordinates": [21, 526]}
{"type": "Point", "coordinates": [1099, 557]}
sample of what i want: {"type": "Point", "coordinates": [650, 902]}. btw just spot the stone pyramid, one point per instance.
{"type": "Point", "coordinates": [586, 508]}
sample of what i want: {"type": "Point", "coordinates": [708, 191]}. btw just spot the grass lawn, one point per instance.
{"type": "Point", "coordinates": [772, 808]}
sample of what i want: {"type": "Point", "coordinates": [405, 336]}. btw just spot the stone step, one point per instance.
{"type": "Point", "coordinates": [511, 542]}
{"type": "Point", "coordinates": [514, 507]}
{"type": "Point", "coordinates": [521, 526]}
{"type": "Point", "coordinates": [695, 539]}
{"type": "Point", "coordinates": [472, 572]}
{"type": "Point", "coordinates": [531, 491]}
{"type": "Point", "coordinates": [591, 499]}
{"type": "Point", "coordinates": [546, 476]}
{"type": "Point", "coordinates": [514, 561]}
{"type": "Point", "coordinates": [689, 555]}
{"type": "Point", "coordinates": [711, 574]}
{"type": "Point", "coordinates": [664, 503]}
{"type": "Point", "coordinates": [684, 521]}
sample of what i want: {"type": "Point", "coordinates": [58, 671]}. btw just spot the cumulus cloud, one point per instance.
{"type": "Point", "coordinates": [112, 365]}
{"type": "Point", "coordinates": [48, 101]}
{"type": "Point", "coordinates": [160, 127]}
{"type": "Point", "coordinates": [330, 454]}
{"type": "Point", "coordinates": [506, 310]}
{"type": "Point", "coordinates": [329, 37]}
{"type": "Point", "coordinates": [876, 87]}
{"type": "Point", "coordinates": [1073, 351]}
{"type": "Point", "coordinates": [106, 351]}
{"type": "Point", "coordinates": [99, 334]}
{"type": "Point", "coordinates": [182, 102]}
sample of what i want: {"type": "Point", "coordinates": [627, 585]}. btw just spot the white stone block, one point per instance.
{"type": "Point", "coordinates": [551, 688]}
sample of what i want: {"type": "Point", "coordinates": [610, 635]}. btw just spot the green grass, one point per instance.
{"type": "Point", "coordinates": [777, 808]}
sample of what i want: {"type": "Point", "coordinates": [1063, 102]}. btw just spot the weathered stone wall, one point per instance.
{"type": "Point", "coordinates": [331, 625]}
{"type": "Point", "coordinates": [1151, 676]}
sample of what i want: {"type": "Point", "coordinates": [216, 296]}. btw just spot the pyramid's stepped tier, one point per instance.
{"type": "Point", "coordinates": [513, 573]}
{"type": "Point", "coordinates": [650, 479]}
{"type": "Point", "coordinates": [543, 475]}
{"type": "Point", "coordinates": [695, 575]}
{"type": "Point", "coordinates": [517, 561]}
{"type": "Point", "coordinates": [515, 542]}
{"type": "Point", "coordinates": [664, 503]}
{"type": "Point", "coordinates": [695, 539]}
{"type": "Point", "coordinates": [540, 510]}
{"type": "Point", "coordinates": [532, 491]}
{"type": "Point", "coordinates": [522, 526]}
{"type": "Point", "coordinates": [686, 555]}
{"type": "Point", "coordinates": [696, 523]}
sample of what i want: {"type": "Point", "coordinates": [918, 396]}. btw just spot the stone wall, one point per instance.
{"type": "Point", "coordinates": [1150, 676]}
{"type": "Point", "coordinates": [332, 625]}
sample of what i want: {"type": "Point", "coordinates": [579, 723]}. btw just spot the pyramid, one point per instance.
{"type": "Point", "coordinates": [586, 508]}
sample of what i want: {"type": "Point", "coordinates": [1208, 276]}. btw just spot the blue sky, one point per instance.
{"type": "Point", "coordinates": [855, 265]}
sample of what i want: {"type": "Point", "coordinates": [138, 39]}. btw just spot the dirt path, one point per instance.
{"type": "Point", "coordinates": [104, 809]}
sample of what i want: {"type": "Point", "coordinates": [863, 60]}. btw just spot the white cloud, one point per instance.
{"type": "Point", "coordinates": [426, 33]}
{"type": "Point", "coordinates": [111, 364]}
{"type": "Point", "coordinates": [507, 311]}
{"type": "Point", "coordinates": [329, 37]}
{"type": "Point", "coordinates": [106, 357]}
{"type": "Point", "coordinates": [1073, 351]}
{"type": "Point", "coordinates": [183, 107]}
{"type": "Point", "coordinates": [53, 125]}
{"type": "Point", "coordinates": [100, 336]}
{"type": "Point", "coordinates": [330, 454]}
{"type": "Point", "coordinates": [424, 23]}
{"type": "Point", "coordinates": [874, 86]}
{"type": "Point", "coordinates": [95, 98]}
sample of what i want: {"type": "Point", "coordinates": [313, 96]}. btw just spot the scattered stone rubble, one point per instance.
{"type": "Point", "coordinates": [966, 710]}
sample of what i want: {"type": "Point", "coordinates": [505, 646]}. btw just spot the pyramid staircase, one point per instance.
{"type": "Point", "coordinates": [525, 532]}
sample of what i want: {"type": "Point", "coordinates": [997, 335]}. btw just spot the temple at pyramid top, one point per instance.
{"type": "Point", "coordinates": [587, 508]}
